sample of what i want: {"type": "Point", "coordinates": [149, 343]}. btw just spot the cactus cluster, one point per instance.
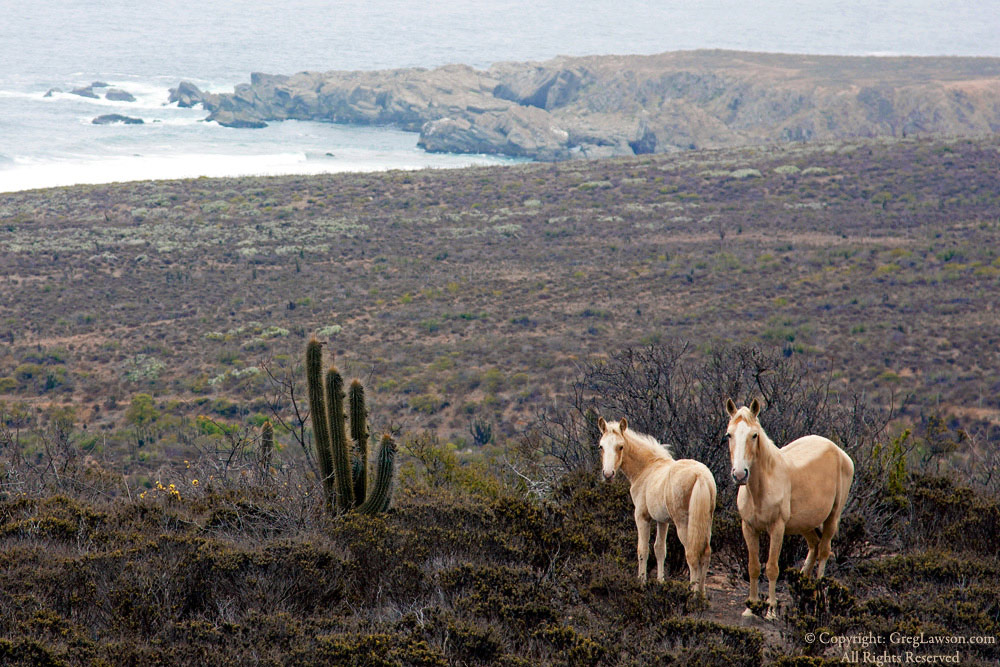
{"type": "Point", "coordinates": [343, 462]}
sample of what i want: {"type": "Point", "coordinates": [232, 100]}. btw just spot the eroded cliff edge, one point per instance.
{"type": "Point", "coordinates": [602, 106]}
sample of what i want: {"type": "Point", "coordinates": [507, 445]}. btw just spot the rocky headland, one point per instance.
{"type": "Point", "coordinates": [602, 106]}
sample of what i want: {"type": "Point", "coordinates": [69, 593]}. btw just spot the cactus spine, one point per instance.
{"type": "Point", "coordinates": [359, 434]}
{"type": "Point", "coordinates": [320, 421]}
{"type": "Point", "coordinates": [345, 469]}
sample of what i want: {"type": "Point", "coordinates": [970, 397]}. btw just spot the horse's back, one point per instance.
{"type": "Point", "coordinates": [820, 473]}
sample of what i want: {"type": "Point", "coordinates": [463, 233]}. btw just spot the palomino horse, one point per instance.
{"type": "Point", "coordinates": [663, 490]}
{"type": "Point", "coordinates": [798, 489]}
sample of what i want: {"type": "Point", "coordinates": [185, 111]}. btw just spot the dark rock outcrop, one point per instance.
{"type": "Point", "coordinates": [111, 118]}
{"type": "Point", "coordinates": [119, 95]}
{"type": "Point", "coordinates": [625, 105]}
{"type": "Point", "coordinates": [186, 95]}
{"type": "Point", "coordinates": [229, 119]}
{"type": "Point", "coordinates": [85, 91]}
{"type": "Point", "coordinates": [88, 91]}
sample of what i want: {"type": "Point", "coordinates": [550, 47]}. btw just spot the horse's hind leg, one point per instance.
{"type": "Point", "coordinates": [829, 531]}
{"type": "Point", "coordinates": [706, 557]}
{"type": "Point", "coordinates": [702, 559]}
{"type": "Point", "coordinates": [813, 540]}
{"type": "Point", "coordinates": [660, 547]}
{"type": "Point", "coordinates": [693, 556]}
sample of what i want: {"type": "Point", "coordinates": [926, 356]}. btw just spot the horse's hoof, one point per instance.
{"type": "Point", "coordinates": [770, 615]}
{"type": "Point", "coordinates": [747, 613]}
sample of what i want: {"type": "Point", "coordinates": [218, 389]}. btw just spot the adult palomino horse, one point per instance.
{"type": "Point", "coordinates": [663, 490]}
{"type": "Point", "coordinates": [798, 489]}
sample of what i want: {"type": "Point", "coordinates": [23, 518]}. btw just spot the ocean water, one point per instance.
{"type": "Point", "coordinates": [146, 48]}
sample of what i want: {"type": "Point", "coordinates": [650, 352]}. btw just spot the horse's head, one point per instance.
{"type": "Point", "coordinates": [744, 436]}
{"type": "Point", "coordinates": [612, 445]}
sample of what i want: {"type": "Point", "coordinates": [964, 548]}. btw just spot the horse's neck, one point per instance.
{"type": "Point", "coordinates": [638, 455]}
{"type": "Point", "coordinates": [768, 459]}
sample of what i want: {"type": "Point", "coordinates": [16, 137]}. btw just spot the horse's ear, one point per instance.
{"type": "Point", "coordinates": [623, 424]}
{"type": "Point", "coordinates": [730, 407]}
{"type": "Point", "coordinates": [601, 424]}
{"type": "Point", "coordinates": [755, 407]}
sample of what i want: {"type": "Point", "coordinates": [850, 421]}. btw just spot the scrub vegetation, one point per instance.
{"type": "Point", "coordinates": [161, 501]}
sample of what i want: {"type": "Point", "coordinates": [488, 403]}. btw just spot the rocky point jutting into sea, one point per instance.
{"type": "Point", "coordinates": [602, 106]}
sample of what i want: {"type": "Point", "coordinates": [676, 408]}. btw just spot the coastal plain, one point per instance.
{"type": "Point", "coordinates": [479, 292]}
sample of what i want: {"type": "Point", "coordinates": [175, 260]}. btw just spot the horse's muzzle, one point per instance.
{"type": "Point", "coordinates": [741, 477]}
{"type": "Point", "coordinates": [609, 475]}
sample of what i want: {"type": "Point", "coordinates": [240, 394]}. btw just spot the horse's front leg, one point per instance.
{"type": "Point", "coordinates": [753, 565]}
{"type": "Point", "coordinates": [642, 527]}
{"type": "Point", "coordinates": [660, 547]}
{"type": "Point", "coordinates": [777, 534]}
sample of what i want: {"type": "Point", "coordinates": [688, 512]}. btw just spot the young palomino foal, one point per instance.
{"type": "Point", "coordinates": [663, 490]}
{"type": "Point", "coordinates": [798, 489]}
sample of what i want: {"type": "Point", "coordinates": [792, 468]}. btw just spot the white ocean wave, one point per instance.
{"type": "Point", "coordinates": [39, 173]}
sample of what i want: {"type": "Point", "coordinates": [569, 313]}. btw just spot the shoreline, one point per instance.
{"type": "Point", "coordinates": [217, 162]}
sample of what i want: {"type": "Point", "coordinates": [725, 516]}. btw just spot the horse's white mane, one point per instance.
{"type": "Point", "coordinates": [649, 441]}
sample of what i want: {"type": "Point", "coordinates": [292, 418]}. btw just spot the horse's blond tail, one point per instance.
{"type": "Point", "coordinates": [701, 508]}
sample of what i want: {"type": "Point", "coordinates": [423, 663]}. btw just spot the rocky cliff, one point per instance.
{"type": "Point", "coordinates": [625, 105]}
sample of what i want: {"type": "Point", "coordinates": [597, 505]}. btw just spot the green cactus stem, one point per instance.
{"type": "Point", "coordinates": [359, 434]}
{"type": "Point", "coordinates": [381, 493]}
{"type": "Point", "coordinates": [318, 416]}
{"type": "Point", "coordinates": [338, 439]}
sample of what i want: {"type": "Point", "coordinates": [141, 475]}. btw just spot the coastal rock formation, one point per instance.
{"type": "Point", "coordinates": [229, 119]}
{"type": "Point", "coordinates": [111, 118]}
{"type": "Point", "coordinates": [87, 91]}
{"type": "Point", "coordinates": [625, 105]}
{"type": "Point", "coordinates": [119, 95]}
{"type": "Point", "coordinates": [186, 95]}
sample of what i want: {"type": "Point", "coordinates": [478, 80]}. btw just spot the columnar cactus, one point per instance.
{"type": "Point", "coordinates": [320, 420]}
{"type": "Point", "coordinates": [381, 495]}
{"type": "Point", "coordinates": [266, 447]}
{"type": "Point", "coordinates": [338, 439]}
{"type": "Point", "coordinates": [359, 434]}
{"type": "Point", "coordinates": [344, 468]}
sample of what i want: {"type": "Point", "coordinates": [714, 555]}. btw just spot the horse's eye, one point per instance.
{"type": "Point", "coordinates": [725, 438]}
{"type": "Point", "coordinates": [754, 436]}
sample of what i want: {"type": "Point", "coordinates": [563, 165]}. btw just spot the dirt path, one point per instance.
{"type": "Point", "coordinates": [727, 603]}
